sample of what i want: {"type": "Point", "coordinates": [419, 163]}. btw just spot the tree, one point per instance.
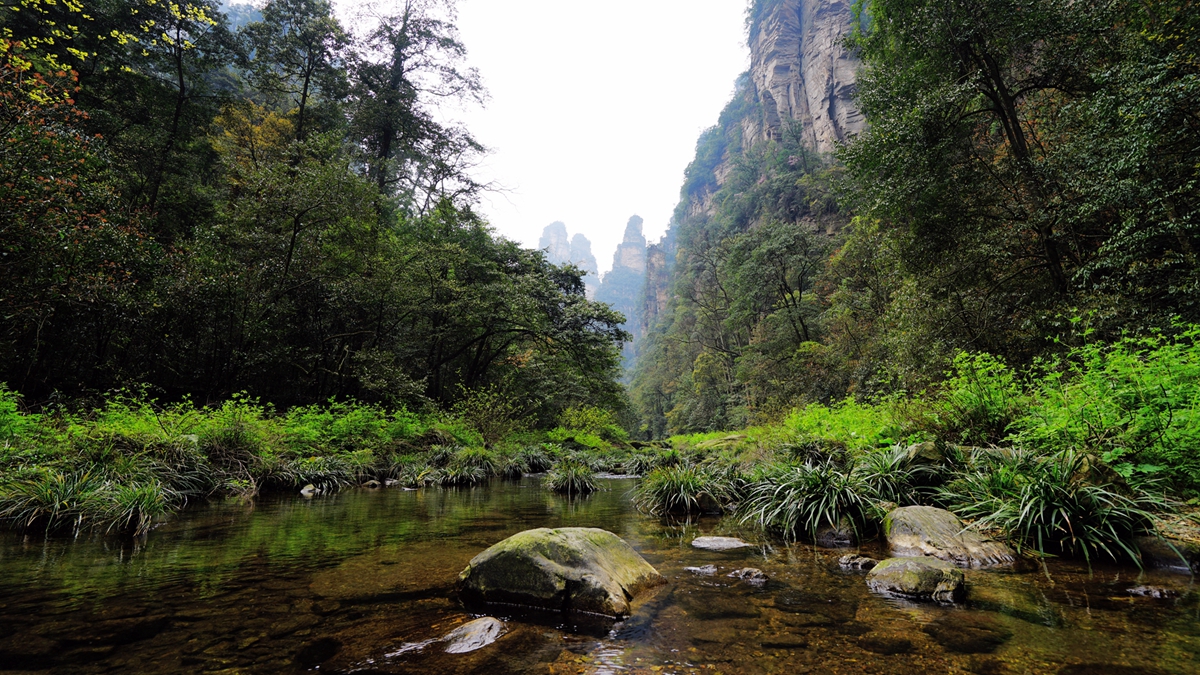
{"type": "Point", "coordinates": [298, 53]}
{"type": "Point", "coordinates": [408, 60]}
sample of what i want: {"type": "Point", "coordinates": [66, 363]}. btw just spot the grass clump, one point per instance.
{"type": "Point", "coordinates": [571, 477]}
{"type": "Point", "coordinates": [800, 500]}
{"type": "Point", "coordinates": [1061, 504]}
{"type": "Point", "coordinates": [684, 489]}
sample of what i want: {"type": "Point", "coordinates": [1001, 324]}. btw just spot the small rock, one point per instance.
{"type": "Point", "coordinates": [885, 644]}
{"type": "Point", "coordinates": [705, 571]}
{"type": "Point", "coordinates": [856, 562]}
{"type": "Point", "coordinates": [309, 490]}
{"type": "Point", "coordinates": [1157, 592]}
{"type": "Point", "coordinates": [719, 543]}
{"type": "Point", "coordinates": [1168, 553]}
{"type": "Point", "coordinates": [474, 635]}
{"type": "Point", "coordinates": [316, 652]}
{"type": "Point", "coordinates": [372, 485]}
{"type": "Point", "coordinates": [918, 578]}
{"type": "Point", "coordinates": [751, 575]}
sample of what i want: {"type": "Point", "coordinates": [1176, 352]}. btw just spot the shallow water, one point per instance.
{"type": "Point", "coordinates": [361, 581]}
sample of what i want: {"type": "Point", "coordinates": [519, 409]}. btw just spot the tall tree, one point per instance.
{"type": "Point", "coordinates": [298, 52]}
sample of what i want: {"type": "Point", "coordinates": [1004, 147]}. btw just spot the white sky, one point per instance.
{"type": "Point", "coordinates": [595, 107]}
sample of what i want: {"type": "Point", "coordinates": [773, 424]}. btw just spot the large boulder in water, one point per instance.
{"type": "Point", "coordinates": [917, 578]}
{"type": "Point", "coordinates": [578, 569]}
{"type": "Point", "coordinates": [928, 531]}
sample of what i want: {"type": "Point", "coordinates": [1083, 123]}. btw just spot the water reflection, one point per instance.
{"type": "Point", "coordinates": [362, 581]}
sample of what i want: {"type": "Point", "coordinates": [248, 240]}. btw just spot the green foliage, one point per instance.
{"type": "Point", "coordinates": [594, 421]}
{"type": "Point", "coordinates": [855, 425]}
{"type": "Point", "coordinates": [571, 477]}
{"type": "Point", "coordinates": [684, 489]}
{"type": "Point", "coordinates": [1055, 504]}
{"type": "Point", "coordinates": [979, 401]}
{"type": "Point", "coordinates": [52, 500]}
{"type": "Point", "coordinates": [799, 500]}
{"type": "Point", "coordinates": [1135, 403]}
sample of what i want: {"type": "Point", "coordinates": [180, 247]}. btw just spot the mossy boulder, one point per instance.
{"type": "Point", "coordinates": [570, 569]}
{"type": "Point", "coordinates": [917, 578]}
{"type": "Point", "coordinates": [929, 531]}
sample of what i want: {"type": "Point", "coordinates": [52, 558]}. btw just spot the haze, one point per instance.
{"type": "Point", "coordinates": [595, 108]}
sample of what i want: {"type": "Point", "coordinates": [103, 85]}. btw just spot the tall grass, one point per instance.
{"type": "Point", "coordinates": [685, 489]}
{"type": "Point", "coordinates": [571, 477]}
{"type": "Point", "coordinates": [799, 500]}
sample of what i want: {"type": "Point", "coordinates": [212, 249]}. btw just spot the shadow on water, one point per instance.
{"type": "Point", "coordinates": [363, 582]}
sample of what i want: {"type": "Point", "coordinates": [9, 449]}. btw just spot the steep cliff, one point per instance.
{"type": "Point", "coordinates": [576, 250]}
{"type": "Point", "coordinates": [622, 286]}
{"type": "Point", "coordinates": [800, 71]}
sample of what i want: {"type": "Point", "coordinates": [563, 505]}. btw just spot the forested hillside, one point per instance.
{"type": "Point", "coordinates": [1026, 182]}
{"type": "Point", "coordinates": [197, 209]}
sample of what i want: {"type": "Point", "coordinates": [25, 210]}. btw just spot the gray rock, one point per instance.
{"type": "Point", "coordinates": [474, 635]}
{"type": "Point", "coordinates": [719, 543]}
{"type": "Point", "coordinates": [751, 575]}
{"type": "Point", "coordinates": [856, 562]}
{"type": "Point", "coordinates": [917, 578]}
{"type": "Point", "coordinates": [569, 569]}
{"type": "Point", "coordinates": [705, 571]}
{"type": "Point", "coordinates": [929, 531]}
{"type": "Point", "coordinates": [1169, 553]}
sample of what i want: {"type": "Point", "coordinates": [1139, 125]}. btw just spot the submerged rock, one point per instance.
{"type": "Point", "coordinates": [856, 562]}
{"type": "Point", "coordinates": [704, 571]}
{"type": "Point", "coordinates": [719, 543]}
{"type": "Point", "coordinates": [917, 578]}
{"type": "Point", "coordinates": [578, 569]}
{"type": "Point", "coordinates": [881, 643]}
{"type": "Point", "coordinates": [474, 635]}
{"type": "Point", "coordinates": [1157, 592]}
{"type": "Point", "coordinates": [1004, 594]}
{"type": "Point", "coordinates": [967, 633]}
{"type": "Point", "coordinates": [842, 536]}
{"type": "Point", "coordinates": [751, 575]}
{"type": "Point", "coordinates": [929, 531]}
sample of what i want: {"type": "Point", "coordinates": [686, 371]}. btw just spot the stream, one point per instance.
{"type": "Point", "coordinates": [362, 581]}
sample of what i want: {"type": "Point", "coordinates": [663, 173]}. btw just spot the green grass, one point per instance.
{"type": "Point", "coordinates": [571, 477]}
{"type": "Point", "coordinates": [683, 489]}
{"type": "Point", "coordinates": [797, 501]}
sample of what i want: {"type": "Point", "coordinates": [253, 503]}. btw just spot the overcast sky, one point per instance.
{"type": "Point", "coordinates": [595, 107]}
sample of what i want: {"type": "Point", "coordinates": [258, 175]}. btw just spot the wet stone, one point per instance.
{"type": "Point", "coordinates": [856, 562]}
{"type": "Point", "coordinates": [751, 575]}
{"type": "Point", "coordinates": [704, 571]}
{"type": "Point", "coordinates": [473, 635]}
{"type": "Point", "coordinates": [917, 578]}
{"type": "Point", "coordinates": [881, 643]}
{"type": "Point", "coordinates": [1156, 592]}
{"type": "Point", "coordinates": [967, 633]}
{"type": "Point", "coordinates": [719, 543]}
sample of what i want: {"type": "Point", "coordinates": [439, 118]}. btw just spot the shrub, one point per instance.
{"type": "Point", "coordinates": [132, 508]}
{"type": "Point", "coordinates": [1055, 504]}
{"type": "Point", "coordinates": [857, 426]}
{"type": "Point", "coordinates": [571, 477]}
{"type": "Point", "coordinates": [888, 476]}
{"type": "Point", "coordinates": [538, 458]}
{"type": "Point", "coordinates": [979, 401]}
{"type": "Point", "coordinates": [593, 421]}
{"type": "Point", "coordinates": [458, 475]}
{"type": "Point", "coordinates": [802, 499]}
{"type": "Point", "coordinates": [479, 458]}
{"type": "Point", "coordinates": [511, 465]}
{"type": "Point", "coordinates": [684, 489]}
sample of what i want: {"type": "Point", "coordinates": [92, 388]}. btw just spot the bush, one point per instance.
{"type": "Point", "coordinates": [800, 500]}
{"type": "Point", "coordinates": [979, 401]}
{"type": "Point", "coordinates": [684, 489]}
{"type": "Point", "coordinates": [1135, 403]}
{"type": "Point", "coordinates": [1056, 504]}
{"type": "Point", "coordinates": [593, 421]}
{"type": "Point", "coordinates": [571, 477]}
{"type": "Point", "coordinates": [857, 426]}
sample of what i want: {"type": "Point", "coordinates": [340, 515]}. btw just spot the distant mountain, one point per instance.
{"type": "Point", "coordinates": [561, 249]}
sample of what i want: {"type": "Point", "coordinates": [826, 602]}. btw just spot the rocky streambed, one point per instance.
{"type": "Point", "coordinates": [368, 582]}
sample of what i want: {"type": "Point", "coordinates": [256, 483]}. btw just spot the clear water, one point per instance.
{"type": "Point", "coordinates": [361, 581]}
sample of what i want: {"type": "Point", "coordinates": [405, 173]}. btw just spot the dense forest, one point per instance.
{"type": "Point", "coordinates": [1026, 184]}
{"type": "Point", "coordinates": [197, 203]}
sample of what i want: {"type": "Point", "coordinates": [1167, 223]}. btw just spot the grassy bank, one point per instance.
{"type": "Point", "coordinates": [120, 467]}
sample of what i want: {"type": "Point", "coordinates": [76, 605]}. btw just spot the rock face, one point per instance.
{"type": "Point", "coordinates": [576, 250]}
{"type": "Point", "coordinates": [474, 635]}
{"type": "Point", "coordinates": [576, 569]}
{"type": "Point", "coordinates": [1169, 553]}
{"type": "Point", "coordinates": [801, 71]}
{"type": "Point", "coordinates": [918, 578]}
{"type": "Point", "coordinates": [622, 287]}
{"type": "Point", "coordinates": [555, 243]}
{"type": "Point", "coordinates": [925, 530]}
